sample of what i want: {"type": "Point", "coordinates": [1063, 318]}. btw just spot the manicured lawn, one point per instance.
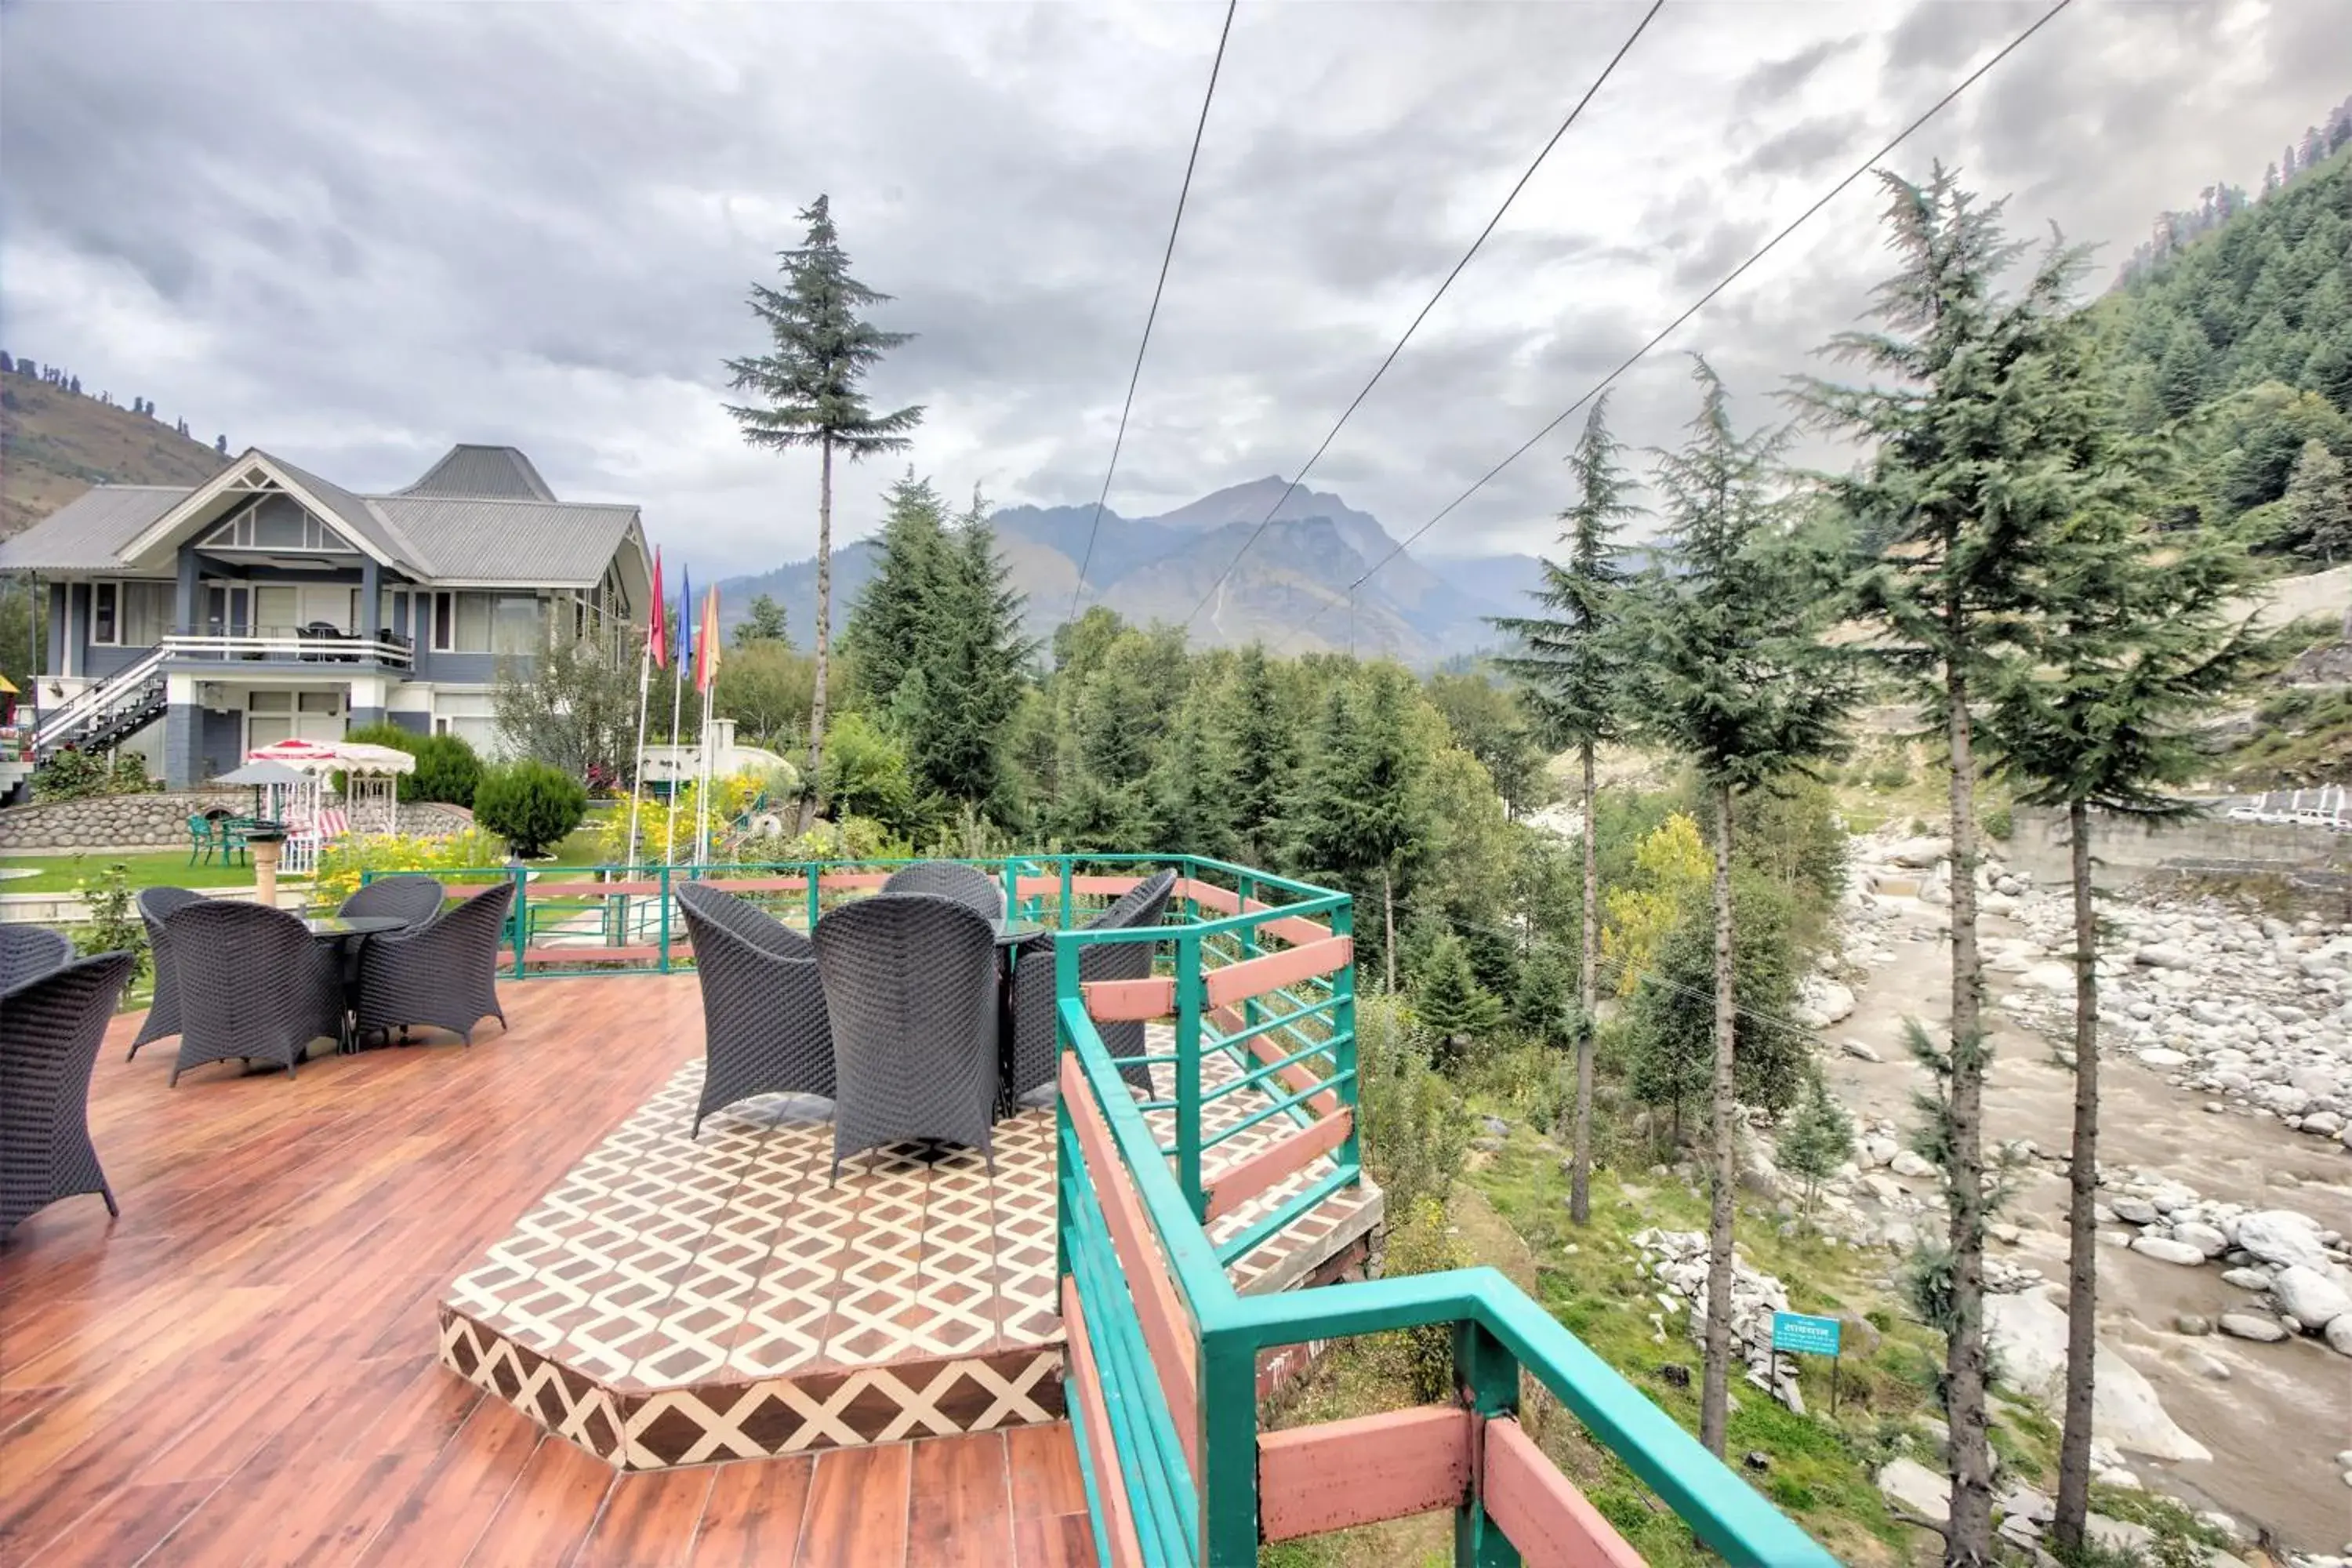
{"type": "Point", "coordinates": [167, 867]}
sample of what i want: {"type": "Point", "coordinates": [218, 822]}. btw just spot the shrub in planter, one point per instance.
{"type": "Point", "coordinates": [531, 805]}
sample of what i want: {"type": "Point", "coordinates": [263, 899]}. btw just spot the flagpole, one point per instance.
{"type": "Point", "coordinates": [637, 760]}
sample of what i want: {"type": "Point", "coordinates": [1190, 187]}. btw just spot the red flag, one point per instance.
{"type": "Point", "coordinates": [657, 623]}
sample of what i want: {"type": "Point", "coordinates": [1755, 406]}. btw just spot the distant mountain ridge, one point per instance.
{"type": "Point", "coordinates": [1158, 569]}
{"type": "Point", "coordinates": [56, 443]}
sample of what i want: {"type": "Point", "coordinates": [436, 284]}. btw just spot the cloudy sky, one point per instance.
{"type": "Point", "coordinates": [353, 235]}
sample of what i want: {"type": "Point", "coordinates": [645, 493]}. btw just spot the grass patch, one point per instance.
{"type": "Point", "coordinates": [2302, 736]}
{"type": "Point", "coordinates": [158, 868]}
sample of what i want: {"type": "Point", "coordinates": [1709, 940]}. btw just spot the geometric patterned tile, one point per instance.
{"type": "Point", "coordinates": [675, 1300]}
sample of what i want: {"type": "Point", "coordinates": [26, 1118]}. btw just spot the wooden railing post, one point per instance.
{"type": "Point", "coordinates": [1487, 1379]}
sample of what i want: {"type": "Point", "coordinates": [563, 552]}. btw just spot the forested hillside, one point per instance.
{"type": "Point", "coordinates": [2242, 344]}
{"type": "Point", "coordinates": [57, 441]}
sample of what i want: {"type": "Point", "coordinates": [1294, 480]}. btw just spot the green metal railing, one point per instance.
{"type": "Point", "coordinates": [1209, 1514]}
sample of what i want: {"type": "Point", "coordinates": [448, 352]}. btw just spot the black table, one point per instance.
{"type": "Point", "coordinates": [1010, 932]}
{"type": "Point", "coordinates": [349, 934]}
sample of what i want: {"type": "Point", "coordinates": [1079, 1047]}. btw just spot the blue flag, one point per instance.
{"type": "Point", "coordinates": [686, 616]}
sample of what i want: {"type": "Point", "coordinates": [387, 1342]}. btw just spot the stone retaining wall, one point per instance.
{"type": "Point", "coordinates": [160, 821]}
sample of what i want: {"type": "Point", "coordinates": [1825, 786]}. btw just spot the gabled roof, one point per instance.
{"type": "Point", "coordinates": [517, 535]}
{"type": "Point", "coordinates": [483, 472]}
{"type": "Point", "coordinates": [88, 532]}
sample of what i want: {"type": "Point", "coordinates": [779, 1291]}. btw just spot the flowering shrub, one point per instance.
{"type": "Point", "coordinates": [341, 866]}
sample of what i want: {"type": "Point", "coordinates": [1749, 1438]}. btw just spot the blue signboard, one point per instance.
{"type": "Point", "coordinates": [1804, 1335]}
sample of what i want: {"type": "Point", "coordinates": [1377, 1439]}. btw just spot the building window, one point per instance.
{"type": "Point", "coordinates": [444, 620]}
{"type": "Point", "coordinates": [129, 615]}
{"type": "Point", "coordinates": [488, 623]}
{"type": "Point", "coordinates": [517, 626]}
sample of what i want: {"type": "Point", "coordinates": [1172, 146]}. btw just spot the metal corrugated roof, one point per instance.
{"type": "Point", "coordinates": [87, 533]}
{"type": "Point", "coordinates": [472, 540]}
{"type": "Point", "coordinates": [499, 472]}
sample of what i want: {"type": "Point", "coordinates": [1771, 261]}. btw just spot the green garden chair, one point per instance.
{"type": "Point", "coordinates": [201, 839]}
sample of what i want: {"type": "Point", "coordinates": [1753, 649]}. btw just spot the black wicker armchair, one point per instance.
{"type": "Point", "coordinates": [910, 988]}
{"type": "Point", "coordinates": [444, 972]}
{"type": "Point", "coordinates": [410, 896]}
{"type": "Point", "coordinates": [155, 907]}
{"type": "Point", "coordinates": [51, 1028]}
{"type": "Point", "coordinates": [28, 953]}
{"type": "Point", "coordinates": [948, 879]}
{"type": "Point", "coordinates": [1034, 1049]}
{"type": "Point", "coordinates": [254, 984]}
{"type": "Point", "coordinates": [764, 1019]}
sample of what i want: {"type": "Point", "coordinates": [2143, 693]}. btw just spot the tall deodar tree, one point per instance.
{"type": "Point", "coordinates": [1968, 481]}
{"type": "Point", "coordinates": [807, 390]}
{"type": "Point", "coordinates": [1735, 677]}
{"type": "Point", "coordinates": [2145, 636]}
{"type": "Point", "coordinates": [1571, 665]}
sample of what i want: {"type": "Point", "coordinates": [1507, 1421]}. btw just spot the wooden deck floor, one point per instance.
{"type": "Point", "coordinates": [241, 1370]}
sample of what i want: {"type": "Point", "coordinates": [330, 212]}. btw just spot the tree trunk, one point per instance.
{"type": "Point", "coordinates": [2083, 1181]}
{"type": "Point", "coordinates": [1969, 1543]}
{"type": "Point", "coordinates": [812, 792]}
{"type": "Point", "coordinates": [1579, 1179]}
{"type": "Point", "coordinates": [1388, 927]}
{"type": "Point", "coordinates": [1713, 1393]}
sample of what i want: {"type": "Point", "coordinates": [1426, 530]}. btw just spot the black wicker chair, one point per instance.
{"type": "Point", "coordinates": [1033, 1045]}
{"type": "Point", "coordinates": [254, 984]}
{"type": "Point", "coordinates": [28, 953]}
{"type": "Point", "coordinates": [409, 897]}
{"type": "Point", "coordinates": [155, 907]}
{"type": "Point", "coordinates": [444, 972]}
{"type": "Point", "coordinates": [764, 1017]}
{"type": "Point", "coordinates": [948, 879]}
{"type": "Point", "coordinates": [910, 988]}
{"type": "Point", "coordinates": [51, 1028]}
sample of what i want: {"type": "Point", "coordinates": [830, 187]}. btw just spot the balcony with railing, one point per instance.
{"type": "Point", "coordinates": [315, 643]}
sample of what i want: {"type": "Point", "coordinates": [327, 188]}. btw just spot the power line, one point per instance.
{"type": "Point", "coordinates": [1639, 27]}
{"type": "Point", "coordinates": [1167, 255]}
{"type": "Point", "coordinates": [1696, 306]}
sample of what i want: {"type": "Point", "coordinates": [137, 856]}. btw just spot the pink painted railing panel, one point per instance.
{"type": "Point", "coordinates": [1542, 1511]}
{"type": "Point", "coordinates": [1129, 1000]}
{"type": "Point", "coordinates": [1275, 970]}
{"type": "Point", "coordinates": [1246, 1179]}
{"type": "Point", "coordinates": [1119, 1537]}
{"type": "Point", "coordinates": [1341, 1474]}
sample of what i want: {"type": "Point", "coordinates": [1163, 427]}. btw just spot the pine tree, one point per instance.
{"type": "Point", "coordinates": [220, 445]}
{"type": "Point", "coordinates": [1362, 800]}
{"type": "Point", "coordinates": [956, 701]}
{"type": "Point", "coordinates": [1968, 483]}
{"type": "Point", "coordinates": [2318, 506]}
{"type": "Point", "coordinates": [809, 388]}
{"type": "Point", "coordinates": [764, 621]}
{"type": "Point", "coordinates": [1570, 666]}
{"type": "Point", "coordinates": [2142, 642]}
{"type": "Point", "coordinates": [1447, 998]}
{"type": "Point", "coordinates": [1264, 751]}
{"type": "Point", "coordinates": [902, 605]}
{"type": "Point", "coordinates": [1737, 681]}
{"type": "Point", "coordinates": [1817, 1140]}
{"type": "Point", "coordinates": [1192, 785]}
{"type": "Point", "coordinates": [1544, 1006]}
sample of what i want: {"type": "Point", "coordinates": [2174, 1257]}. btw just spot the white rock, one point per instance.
{"type": "Point", "coordinates": [2134, 1211]}
{"type": "Point", "coordinates": [2246, 1279]}
{"type": "Point", "coordinates": [2164, 955]}
{"type": "Point", "coordinates": [2057, 979]}
{"type": "Point", "coordinates": [2247, 1326]}
{"type": "Point", "coordinates": [2309, 1296]}
{"type": "Point", "coordinates": [1911, 1163]}
{"type": "Point", "coordinates": [1858, 1051]}
{"type": "Point", "coordinates": [2207, 1239]}
{"type": "Point", "coordinates": [1918, 1488]}
{"type": "Point", "coordinates": [2162, 1057]}
{"type": "Point", "coordinates": [2027, 1334]}
{"type": "Point", "coordinates": [2163, 1250]}
{"type": "Point", "coordinates": [2117, 1535]}
{"type": "Point", "coordinates": [2282, 1236]}
{"type": "Point", "coordinates": [1918, 853]}
{"type": "Point", "coordinates": [1820, 1003]}
{"type": "Point", "coordinates": [2338, 1334]}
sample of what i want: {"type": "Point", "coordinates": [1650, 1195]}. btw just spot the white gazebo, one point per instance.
{"type": "Point", "coordinates": [370, 799]}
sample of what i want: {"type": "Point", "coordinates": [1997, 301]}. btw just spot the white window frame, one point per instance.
{"type": "Point", "coordinates": [120, 588]}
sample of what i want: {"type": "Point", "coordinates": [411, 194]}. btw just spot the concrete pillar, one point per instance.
{"type": "Point", "coordinates": [183, 724]}
{"type": "Point", "coordinates": [57, 659]}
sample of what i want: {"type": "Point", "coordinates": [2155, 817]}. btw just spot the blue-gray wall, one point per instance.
{"type": "Point", "coordinates": [221, 742]}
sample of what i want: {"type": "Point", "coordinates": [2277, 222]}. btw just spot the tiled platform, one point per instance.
{"type": "Point", "coordinates": [675, 1301]}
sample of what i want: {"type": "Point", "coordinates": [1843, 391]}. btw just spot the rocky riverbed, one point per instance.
{"type": "Point", "coordinates": [2226, 1180]}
